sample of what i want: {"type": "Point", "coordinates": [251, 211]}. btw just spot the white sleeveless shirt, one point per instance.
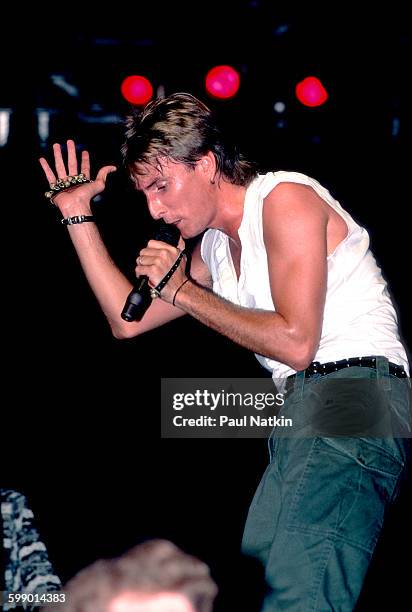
{"type": "Point", "coordinates": [359, 318]}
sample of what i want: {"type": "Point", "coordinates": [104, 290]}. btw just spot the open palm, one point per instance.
{"type": "Point", "coordinates": [77, 194]}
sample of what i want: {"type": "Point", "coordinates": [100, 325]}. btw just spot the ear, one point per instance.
{"type": "Point", "coordinates": [207, 165]}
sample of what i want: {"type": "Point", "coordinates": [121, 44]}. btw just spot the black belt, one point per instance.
{"type": "Point", "coordinates": [316, 367]}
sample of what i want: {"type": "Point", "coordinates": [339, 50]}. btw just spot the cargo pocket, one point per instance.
{"type": "Point", "coordinates": [345, 487]}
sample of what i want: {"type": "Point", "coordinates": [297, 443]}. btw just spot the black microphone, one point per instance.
{"type": "Point", "coordinates": [139, 300]}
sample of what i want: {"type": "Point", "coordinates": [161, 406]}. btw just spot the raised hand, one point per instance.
{"type": "Point", "coordinates": [75, 199]}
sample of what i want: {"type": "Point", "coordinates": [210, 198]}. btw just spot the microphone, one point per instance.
{"type": "Point", "coordinates": [139, 300]}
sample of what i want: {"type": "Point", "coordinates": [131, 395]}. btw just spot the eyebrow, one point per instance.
{"type": "Point", "coordinates": [158, 178]}
{"type": "Point", "coordinates": [148, 186]}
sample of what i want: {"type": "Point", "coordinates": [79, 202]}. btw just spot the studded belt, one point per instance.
{"type": "Point", "coordinates": [317, 368]}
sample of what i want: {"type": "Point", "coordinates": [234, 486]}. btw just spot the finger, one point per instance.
{"type": "Point", "coordinates": [47, 170]}
{"type": "Point", "coordinates": [103, 172]}
{"type": "Point", "coordinates": [148, 260]}
{"type": "Point", "coordinates": [181, 244]}
{"type": "Point", "coordinates": [152, 251]}
{"type": "Point", "coordinates": [85, 165]}
{"type": "Point", "coordinates": [71, 157]}
{"type": "Point", "coordinates": [143, 269]}
{"type": "Point", "coordinates": [159, 244]}
{"type": "Point", "coordinates": [58, 160]}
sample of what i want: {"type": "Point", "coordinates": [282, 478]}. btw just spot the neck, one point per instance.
{"type": "Point", "coordinates": [230, 207]}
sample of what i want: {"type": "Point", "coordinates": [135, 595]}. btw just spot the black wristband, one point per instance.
{"type": "Point", "coordinates": [78, 219]}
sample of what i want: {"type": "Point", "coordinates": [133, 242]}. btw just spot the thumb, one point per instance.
{"type": "Point", "coordinates": [103, 172]}
{"type": "Point", "coordinates": [181, 244]}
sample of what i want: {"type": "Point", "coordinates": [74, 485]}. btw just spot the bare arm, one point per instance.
{"type": "Point", "coordinates": [109, 285]}
{"type": "Point", "coordinates": [295, 238]}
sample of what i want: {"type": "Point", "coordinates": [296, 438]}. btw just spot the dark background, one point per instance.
{"type": "Point", "coordinates": [80, 427]}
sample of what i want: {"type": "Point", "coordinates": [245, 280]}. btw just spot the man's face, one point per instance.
{"type": "Point", "coordinates": [156, 602]}
{"type": "Point", "coordinates": [179, 195]}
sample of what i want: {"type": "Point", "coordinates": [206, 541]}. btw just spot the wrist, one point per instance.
{"type": "Point", "coordinates": [73, 211]}
{"type": "Point", "coordinates": [74, 206]}
{"type": "Point", "coordinates": [181, 292]}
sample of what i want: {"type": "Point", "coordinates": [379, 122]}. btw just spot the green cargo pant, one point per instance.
{"type": "Point", "coordinates": [319, 509]}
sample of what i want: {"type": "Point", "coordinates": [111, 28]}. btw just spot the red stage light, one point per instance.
{"type": "Point", "coordinates": [311, 92]}
{"type": "Point", "coordinates": [137, 90]}
{"type": "Point", "coordinates": [222, 82]}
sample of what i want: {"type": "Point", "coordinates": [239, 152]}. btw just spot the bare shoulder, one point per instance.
{"type": "Point", "coordinates": [198, 269]}
{"type": "Point", "coordinates": [294, 196]}
{"type": "Point", "coordinates": [293, 205]}
{"type": "Point", "coordinates": [294, 214]}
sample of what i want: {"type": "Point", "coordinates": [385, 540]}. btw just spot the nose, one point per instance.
{"type": "Point", "coordinates": [156, 208]}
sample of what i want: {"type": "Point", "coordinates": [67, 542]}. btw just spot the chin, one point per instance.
{"type": "Point", "coordinates": [187, 233]}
